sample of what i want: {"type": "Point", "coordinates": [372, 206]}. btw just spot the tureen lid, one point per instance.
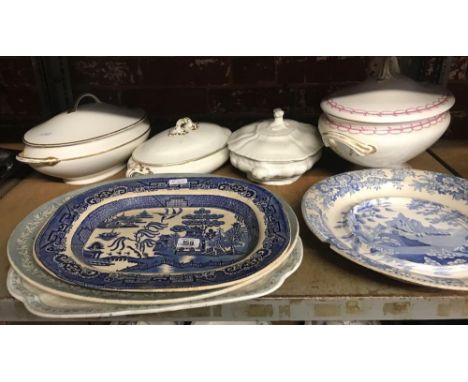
{"type": "Point", "coordinates": [83, 123]}
{"type": "Point", "coordinates": [186, 141]}
{"type": "Point", "coordinates": [276, 140]}
{"type": "Point", "coordinates": [391, 98]}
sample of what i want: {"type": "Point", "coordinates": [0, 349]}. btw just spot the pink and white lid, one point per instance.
{"type": "Point", "coordinates": [393, 98]}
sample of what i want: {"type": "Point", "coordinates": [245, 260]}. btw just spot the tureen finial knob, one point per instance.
{"type": "Point", "coordinates": [182, 125]}
{"type": "Point", "coordinates": [278, 113]}
{"type": "Point", "coordinates": [278, 123]}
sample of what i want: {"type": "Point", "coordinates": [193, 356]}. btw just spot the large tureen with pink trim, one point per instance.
{"type": "Point", "coordinates": [387, 121]}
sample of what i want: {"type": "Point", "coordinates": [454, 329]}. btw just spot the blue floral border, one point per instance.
{"type": "Point", "coordinates": [50, 243]}
{"type": "Point", "coordinates": [322, 195]}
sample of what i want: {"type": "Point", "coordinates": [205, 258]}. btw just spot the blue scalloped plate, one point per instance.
{"type": "Point", "coordinates": [160, 233]}
{"type": "Point", "coordinates": [408, 224]}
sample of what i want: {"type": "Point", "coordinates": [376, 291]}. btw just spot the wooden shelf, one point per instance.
{"type": "Point", "coordinates": [453, 154]}
{"type": "Point", "coordinates": [325, 287]}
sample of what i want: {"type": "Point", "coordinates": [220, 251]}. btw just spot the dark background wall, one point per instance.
{"type": "Point", "coordinates": [20, 103]}
{"type": "Point", "coordinates": [231, 91]}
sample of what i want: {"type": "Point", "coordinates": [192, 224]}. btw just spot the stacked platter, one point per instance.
{"type": "Point", "coordinates": [407, 224]}
{"type": "Point", "coordinates": [152, 244]}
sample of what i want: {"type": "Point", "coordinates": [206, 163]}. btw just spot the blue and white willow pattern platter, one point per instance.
{"type": "Point", "coordinates": [407, 224]}
{"type": "Point", "coordinates": [20, 255]}
{"type": "Point", "coordinates": [48, 305]}
{"type": "Point", "coordinates": [160, 233]}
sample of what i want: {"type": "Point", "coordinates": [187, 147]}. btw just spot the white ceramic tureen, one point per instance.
{"type": "Point", "coordinates": [276, 151]}
{"type": "Point", "coordinates": [87, 143]}
{"type": "Point", "coordinates": [387, 121]}
{"type": "Point", "coordinates": [188, 147]}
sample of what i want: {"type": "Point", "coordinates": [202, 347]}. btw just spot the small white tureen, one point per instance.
{"type": "Point", "coordinates": [387, 121]}
{"type": "Point", "coordinates": [275, 151]}
{"type": "Point", "coordinates": [86, 144]}
{"type": "Point", "coordinates": [188, 147]}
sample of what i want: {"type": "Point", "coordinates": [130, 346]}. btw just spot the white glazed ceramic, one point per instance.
{"type": "Point", "coordinates": [188, 147]}
{"type": "Point", "coordinates": [387, 121]}
{"type": "Point", "coordinates": [392, 98]}
{"type": "Point", "coordinates": [48, 305]}
{"type": "Point", "coordinates": [381, 145]}
{"type": "Point", "coordinates": [86, 144]}
{"type": "Point", "coordinates": [275, 151]}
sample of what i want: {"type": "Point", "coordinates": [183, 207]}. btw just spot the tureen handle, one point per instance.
{"type": "Point", "coordinates": [50, 161]}
{"type": "Point", "coordinates": [362, 149]}
{"type": "Point", "coordinates": [182, 126]}
{"type": "Point", "coordinates": [81, 97]}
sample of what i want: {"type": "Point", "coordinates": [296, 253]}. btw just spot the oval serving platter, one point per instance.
{"type": "Point", "coordinates": [164, 233]}
{"type": "Point", "coordinates": [20, 255]}
{"type": "Point", "coordinates": [407, 224]}
{"type": "Point", "coordinates": [48, 305]}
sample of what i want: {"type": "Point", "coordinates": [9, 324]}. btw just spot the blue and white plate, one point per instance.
{"type": "Point", "coordinates": [408, 224]}
{"type": "Point", "coordinates": [20, 255]}
{"type": "Point", "coordinates": [48, 305]}
{"type": "Point", "coordinates": [164, 233]}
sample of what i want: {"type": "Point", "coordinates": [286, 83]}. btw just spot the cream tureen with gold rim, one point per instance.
{"type": "Point", "coordinates": [87, 143]}
{"type": "Point", "coordinates": [187, 147]}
